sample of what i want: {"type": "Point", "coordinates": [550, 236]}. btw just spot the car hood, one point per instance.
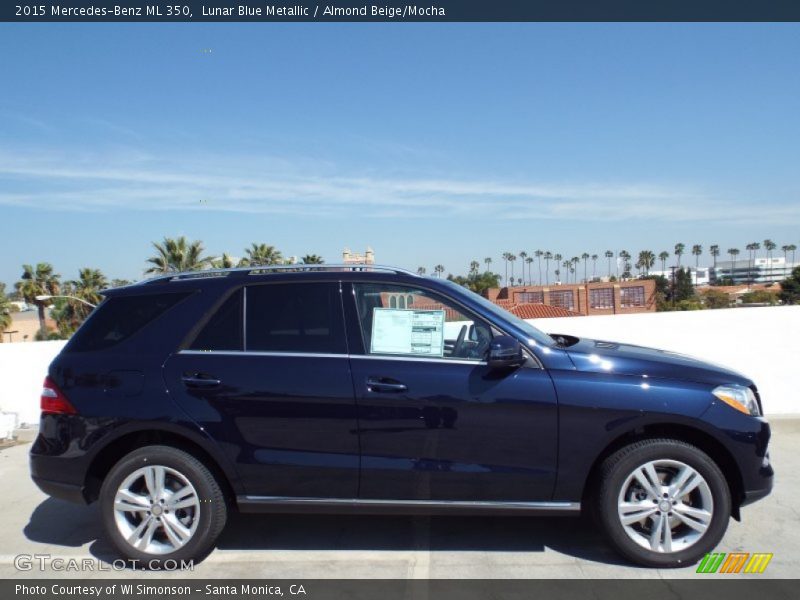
{"type": "Point", "coordinates": [628, 359]}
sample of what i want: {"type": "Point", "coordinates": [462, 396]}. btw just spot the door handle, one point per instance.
{"type": "Point", "coordinates": [200, 380]}
{"type": "Point", "coordinates": [384, 385]}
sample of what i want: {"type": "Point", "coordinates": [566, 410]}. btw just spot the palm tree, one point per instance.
{"type": "Point", "coordinates": [594, 265]}
{"type": "Point", "coordinates": [474, 266]}
{"type": "Point", "coordinates": [439, 269]}
{"type": "Point", "coordinates": [679, 249]}
{"type": "Point", "coordinates": [557, 259]}
{"type": "Point", "coordinates": [488, 261]}
{"type": "Point", "coordinates": [39, 281]}
{"type": "Point", "coordinates": [647, 259]}
{"type": "Point", "coordinates": [512, 258]}
{"type": "Point", "coordinates": [714, 251]}
{"type": "Point", "coordinates": [506, 258]}
{"type": "Point", "coordinates": [609, 256]}
{"type": "Point", "coordinates": [585, 257]}
{"type": "Point", "coordinates": [574, 268]}
{"type": "Point", "coordinates": [421, 271]}
{"type": "Point", "coordinates": [177, 255]}
{"type": "Point", "coordinates": [538, 254]}
{"type": "Point", "coordinates": [6, 308]}
{"type": "Point", "coordinates": [733, 252]}
{"type": "Point", "coordinates": [626, 265]}
{"type": "Point", "coordinates": [788, 248]}
{"type": "Point", "coordinates": [663, 256]}
{"type": "Point", "coordinates": [529, 260]}
{"type": "Point", "coordinates": [697, 250]}
{"type": "Point", "coordinates": [769, 246]}
{"type": "Point", "coordinates": [523, 255]}
{"type": "Point", "coordinates": [224, 262]}
{"type": "Point", "coordinates": [548, 256]}
{"type": "Point", "coordinates": [261, 255]}
{"type": "Point", "coordinates": [752, 248]}
{"type": "Point", "coordinates": [87, 287]}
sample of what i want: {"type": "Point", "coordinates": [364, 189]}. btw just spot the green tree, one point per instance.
{"type": "Point", "coordinates": [679, 250]}
{"type": "Point", "coordinates": [312, 259]}
{"type": "Point", "coordinates": [594, 265]}
{"type": "Point", "coordinates": [224, 262]}
{"type": "Point", "coordinates": [488, 262]}
{"type": "Point", "coordinates": [474, 266]}
{"type": "Point", "coordinates": [438, 269]}
{"type": "Point", "coordinates": [752, 248]}
{"type": "Point", "coordinates": [714, 251]}
{"type": "Point", "coordinates": [548, 256]}
{"type": "Point", "coordinates": [539, 254]}
{"type": "Point", "coordinates": [6, 308]}
{"type": "Point", "coordinates": [178, 255]}
{"type": "Point", "coordinates": [585, 257]}
{"type": "Point", "coordinates": [512, 258]}
{"type": "Point", "coordinates": [769, 246]}
{"type": "Point", "coordinates": [790, 288]}
{"type": "Point", "coordinates": [609, 255]}
{"type": "Point", "coordinates": [69, 313]}
{"type": "Point", "coordinates": [647, 259]}
{"type": "Point", "coordinates": [522, 256]}
{"type": "Point", "coordinates": [733, 252]}
{"type": "Point", "coordinates": [39, 281]}
{"type": "Point", "coordinates": [716, 299]}
{"type": "Point", "coordinates": [697, 250]}
{"type": "Point", "coordinates": [663, 256]}
{"type": "Point", "coordinates": [115, 283]}
{"type": "Point", "coordinates": [529, 261]}
{"type": "Point", "coordinates": [421, 271]}
{"type": "Point", "coordinates": [262, 255]}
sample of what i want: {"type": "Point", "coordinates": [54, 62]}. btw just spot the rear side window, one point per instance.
{"type": "Point", "coordinates": [224, 330]}
{"type": "Point", "coordinates": [303, 317]}
{"type": "Point", "coordinates": [118, 318]}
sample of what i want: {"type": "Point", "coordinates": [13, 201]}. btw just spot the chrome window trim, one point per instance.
{"type": "Point", "coordinates": [457, 361]}
{"type": "Point", "coordinates": [263, 353]}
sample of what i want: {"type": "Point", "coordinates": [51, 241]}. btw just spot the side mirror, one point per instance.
{"type": "Point", "coordinates": [505, 352]}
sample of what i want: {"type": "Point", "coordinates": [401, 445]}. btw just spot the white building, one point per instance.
{"type": "Point", "coordinates": [760, 270]}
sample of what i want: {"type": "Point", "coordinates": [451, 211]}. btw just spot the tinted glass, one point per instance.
{"type": "Point", "coordinates": [300, 317]}
{"type": "Point", "coordinates": [118, 318]}
{"type": "Point", "coordinates": [224, 330]}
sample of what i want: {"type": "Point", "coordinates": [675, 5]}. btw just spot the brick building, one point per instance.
{"type": "Point", "coordinates": [596, 298]}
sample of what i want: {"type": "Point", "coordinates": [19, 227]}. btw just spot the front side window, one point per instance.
{"type": "Point", "coordinates": [423, 325]}
{"type": "Point", "coordinates": [301, 317]}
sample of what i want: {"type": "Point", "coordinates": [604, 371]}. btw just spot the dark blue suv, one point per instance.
{"type": "Point", "coordinates": [371, 389]}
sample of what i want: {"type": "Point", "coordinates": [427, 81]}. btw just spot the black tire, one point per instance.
{"type": "Point", "coordinates": [212, 505]}
{"type": "Point", "coordinates": [618, 467]}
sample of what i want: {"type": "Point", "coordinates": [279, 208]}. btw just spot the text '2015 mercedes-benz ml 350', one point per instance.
{"type": "Point", "coordinates": [371, 389]}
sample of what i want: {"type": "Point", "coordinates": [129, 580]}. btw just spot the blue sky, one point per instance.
{"type": "Point", "coordinates": [431, 143]}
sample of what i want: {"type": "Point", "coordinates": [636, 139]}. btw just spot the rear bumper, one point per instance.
{"type": "Point", "coordinates": [63, 491]}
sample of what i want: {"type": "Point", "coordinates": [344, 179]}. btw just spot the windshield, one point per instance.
{"type": "Point", "coordinates": [535, 335]}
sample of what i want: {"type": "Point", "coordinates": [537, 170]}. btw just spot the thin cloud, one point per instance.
{"type": "Point", "coordinates": [140, 181]}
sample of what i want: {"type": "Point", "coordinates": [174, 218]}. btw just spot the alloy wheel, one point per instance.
{"type": "Point", "coordinates": [156, 509]}
{"type": "Point", "coordinates": [665, 506]}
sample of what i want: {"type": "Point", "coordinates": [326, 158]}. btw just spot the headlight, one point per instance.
{"type": "Point", "coordinates": [739, 397]}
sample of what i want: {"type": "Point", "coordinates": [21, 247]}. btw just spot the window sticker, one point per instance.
{"type": "Point", "coordinates": [404, 331]}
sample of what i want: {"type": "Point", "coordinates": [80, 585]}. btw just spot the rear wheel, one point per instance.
{"type": "Point", "coordinates": [161, 504]}
{"type": "Point", "coordinates": [663, 503]}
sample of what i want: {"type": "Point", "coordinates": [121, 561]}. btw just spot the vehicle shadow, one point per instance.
{"type": "Point", "coordinates": [59, 523]}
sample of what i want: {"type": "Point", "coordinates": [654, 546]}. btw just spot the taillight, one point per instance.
{"type": "Point", "coordinates": [54, 401]}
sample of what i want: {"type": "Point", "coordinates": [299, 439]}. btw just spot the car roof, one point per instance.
{"type": "Point", "coordinates": [260, 274]}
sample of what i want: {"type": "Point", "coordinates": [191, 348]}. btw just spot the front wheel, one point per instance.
{"type": "Point", "coordinates": [161, 504]}
{"type": "Point", "coordinates": [663, 502]}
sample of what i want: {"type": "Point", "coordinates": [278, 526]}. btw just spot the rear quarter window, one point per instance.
{"type": "Point", "coordinates": [120, 317]}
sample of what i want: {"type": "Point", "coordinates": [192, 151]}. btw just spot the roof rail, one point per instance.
{"type": "Point", "coordinates": [268, 269]}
